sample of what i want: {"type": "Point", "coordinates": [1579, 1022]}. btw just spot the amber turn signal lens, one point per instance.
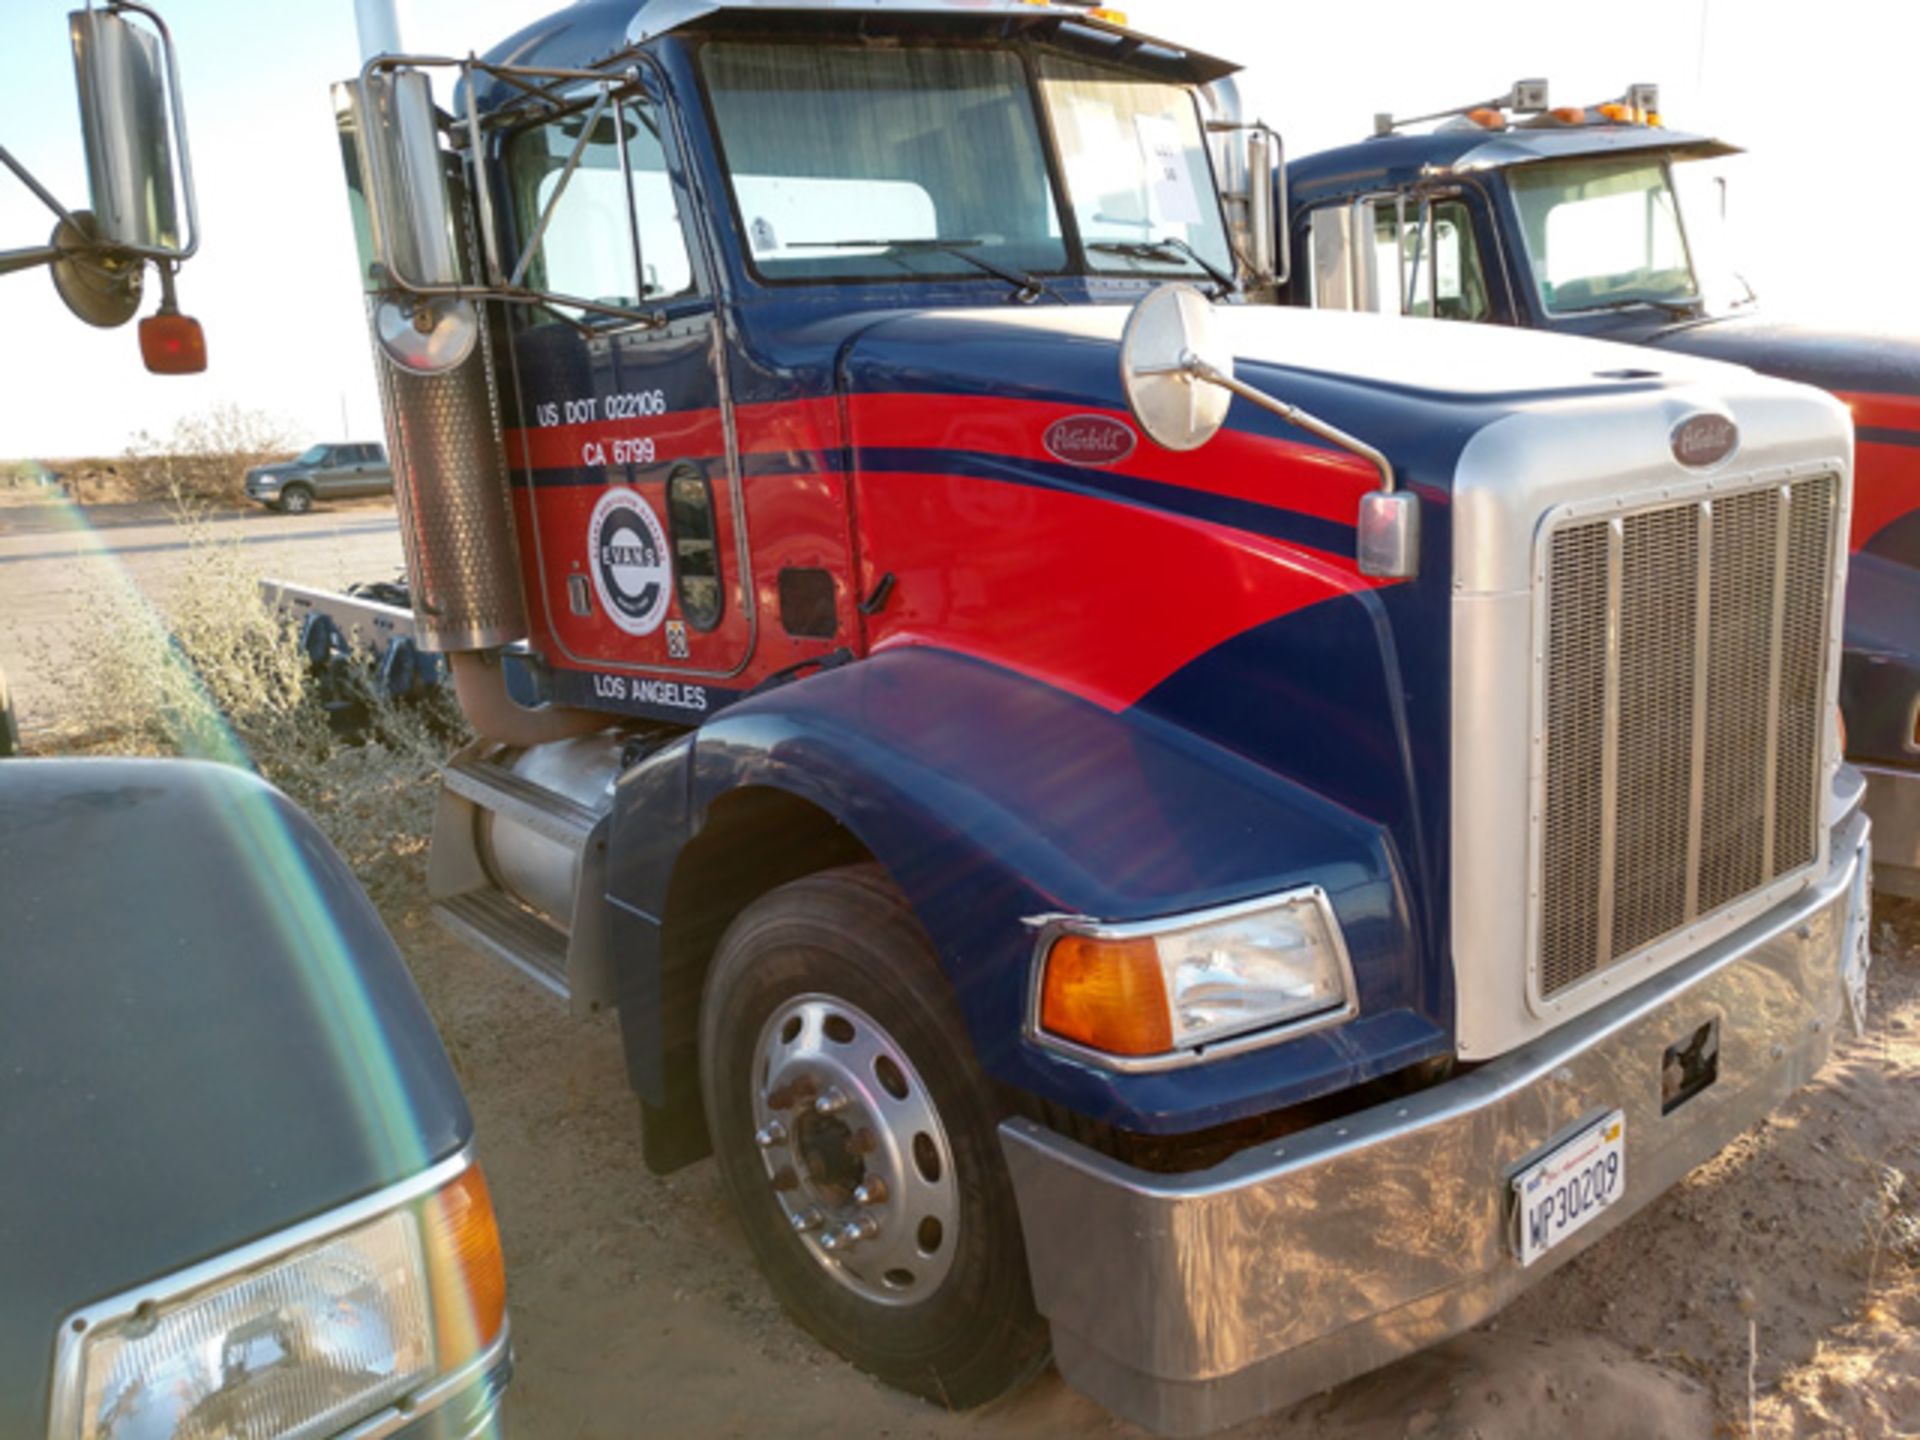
{"type": "Point", "coordinates": [1109, 995]}
{"type": "Point", "coordinates": [469, 1276]}
{"type": "Point", "coordinates": [173, 344]}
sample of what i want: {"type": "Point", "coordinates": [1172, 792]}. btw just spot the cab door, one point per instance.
{"type": "Point", "coordinates": [626, 477]}
{"type": "Point", "coordinates": [1399, 253]}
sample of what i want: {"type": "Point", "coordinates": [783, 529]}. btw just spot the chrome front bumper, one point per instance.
{"type": "Point", "coordinates": [1893, 804]}
{"type": "Point", "coordinates": [1188, 1303]}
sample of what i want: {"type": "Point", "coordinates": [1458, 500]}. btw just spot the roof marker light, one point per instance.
{"type": "Point", "coordinates": [1487, 118]}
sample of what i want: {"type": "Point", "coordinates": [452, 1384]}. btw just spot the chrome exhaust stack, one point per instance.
{"type": "Point", "coordinates": [433, 364]}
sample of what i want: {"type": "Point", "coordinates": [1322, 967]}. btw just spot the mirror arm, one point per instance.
{"type": "Point", "coordinates": [633, 213]}
{"type": "Point", "coordinates": [1200, 370]}
{"type": "Point", "coordinates": [482, 186]}
{"type": "Point", "coordinates": [25, 177]}
{"type": "Point", "coordinates": [553, 201]}
{"type": "Point", "coordinates": [12, 260]}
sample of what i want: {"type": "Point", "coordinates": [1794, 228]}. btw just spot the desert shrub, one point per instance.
{"type": "Point", "coordinates": [221, 678]}
{"type": "Point", "coordinates": [205, 457]}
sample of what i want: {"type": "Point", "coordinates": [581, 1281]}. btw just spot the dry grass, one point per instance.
{"type": "Point", "coordinates": [204, 458]}
{"type": "Point", "coordinates": [220, 678]}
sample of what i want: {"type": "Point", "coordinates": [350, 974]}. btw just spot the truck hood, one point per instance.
{"type": "Point", "coordinates": [1374, 370]}
{"type": "Point", "coordinates": [206, 1036]}
{"type": "Point", "coordinates": [1046, 348]}
{"type": "Point", "coordinates": [1848, 361]}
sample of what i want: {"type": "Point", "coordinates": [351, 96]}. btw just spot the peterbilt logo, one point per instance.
{"type": "Point", "coordinates": [1702, 440]}
{"type": "Point", "coordinates": [1089, 440]}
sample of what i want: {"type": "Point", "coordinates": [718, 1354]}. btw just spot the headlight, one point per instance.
{"type": "Point", "coordinates": [301, 1345]}
{"type": "Point", "coordinates": [1163, 990]}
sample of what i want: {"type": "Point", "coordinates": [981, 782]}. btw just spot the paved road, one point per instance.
{"type": "Point", "coordinates": [55, 557]}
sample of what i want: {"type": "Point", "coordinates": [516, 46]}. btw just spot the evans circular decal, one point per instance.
{"type": "Point", "coordinates": [1089, 440]}
{"type": "Point", "coordinates": [631, 571]}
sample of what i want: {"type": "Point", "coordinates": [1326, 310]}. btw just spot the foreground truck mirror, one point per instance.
{"type": "Point", "coordinates": [1177, 374]}
{"type": "Point", "coordinates": [140, 181]}
{"type": "Point", "coordinates": [134, 132]}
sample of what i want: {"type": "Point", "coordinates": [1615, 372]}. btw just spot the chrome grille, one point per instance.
{"type": "Point", "coordinates": [1684, 656]}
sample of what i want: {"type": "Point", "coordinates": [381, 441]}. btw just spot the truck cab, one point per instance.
{"type": "Point", "coordinates": [1567, 220]}
{"type": "Point", "coordinates": [1051, 760]}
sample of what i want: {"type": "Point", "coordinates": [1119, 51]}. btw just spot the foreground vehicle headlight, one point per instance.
{"type": "Point", "coordinates": [1165, 989]}
{"type": "Point", "coordinates": [299, 1345]}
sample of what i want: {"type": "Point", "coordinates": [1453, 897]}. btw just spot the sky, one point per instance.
{"type": "Point", "coordinates": [1817, 95]}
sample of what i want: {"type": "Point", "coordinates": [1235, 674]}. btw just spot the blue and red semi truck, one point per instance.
{"type": "Point", "coordinates": [1567, 219]}
{"type": "Point", "coordinates": [1134, 825]}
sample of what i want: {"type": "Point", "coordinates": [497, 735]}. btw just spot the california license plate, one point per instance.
{"type": "Point", "coordinates": [1557, 1195]}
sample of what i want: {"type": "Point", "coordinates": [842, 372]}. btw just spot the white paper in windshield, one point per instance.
{"type": "Point", "coordinates": [1171, 193]}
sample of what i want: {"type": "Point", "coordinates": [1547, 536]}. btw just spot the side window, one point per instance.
{"type": "Point", "coordinates": [696, 552]}
{"type": "Point", "coordinates": [1438, 263]}
{"type": "Point", "coordinates": [586, 250]}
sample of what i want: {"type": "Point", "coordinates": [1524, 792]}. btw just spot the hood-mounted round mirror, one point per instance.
{"type": "Point", "coordinates": [1178, 378]}
{"type": "Point", "coordinates": [1169, 330]}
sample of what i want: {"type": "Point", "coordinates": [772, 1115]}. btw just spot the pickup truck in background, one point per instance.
{"type": "Point", "coordinates": [241, 1194]}
{"type": "Point", "coordinates": [321, 472]}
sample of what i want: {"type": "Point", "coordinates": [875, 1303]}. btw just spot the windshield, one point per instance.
{"type": "Point", "coordinates": [1137, 170]}
{"type": "Point", "coordinates": [860, 162]}
{"type": "Point", "coordinates": [1603, 234]}
{"type": "Point", "coordinates": [312, 455]}
{"type": "Point", "coordinates": [835, 150]}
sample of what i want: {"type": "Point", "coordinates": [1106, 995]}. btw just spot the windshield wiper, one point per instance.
{"type": "Point", "coordinates": [1679, 309]}
{"type": "Point", "coordinates": [1159, 250]}
{"type": "Point", "coordinates": [1027, 288]}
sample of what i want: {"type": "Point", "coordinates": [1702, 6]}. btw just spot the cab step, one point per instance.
{"type": "Point", "coordinates": [488, 920]}
{"type": "Point", "coordinates": [519, 860]}
{"type": "Point", "coordinates": [492, 786]}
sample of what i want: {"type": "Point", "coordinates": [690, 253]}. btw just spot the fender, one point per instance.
{"type": "Point", "coordinates": [992, 798]}
{"type": "Point", "coordinates": [1880, 669]}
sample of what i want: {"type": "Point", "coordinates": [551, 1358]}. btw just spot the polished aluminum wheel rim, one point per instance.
{"type": "Point", "coordinates": [854, 1150]}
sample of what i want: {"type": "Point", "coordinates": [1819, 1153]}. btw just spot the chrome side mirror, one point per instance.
{"type": "Point", "coordinates": [132, 126]}
{"type": "Point", "coordinates": [408, 208]}
{"type": "Point", "coordinates": [1346, 262]}
{"type": "Point", "coordinates": [1176, 372]}
{"type": "Point", "coordinates": [404, 222]}
{"type": "Point", "coordinates": [1267, 234]}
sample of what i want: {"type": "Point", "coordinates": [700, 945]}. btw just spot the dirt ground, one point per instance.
{"type": "Point", "coordinates": [637, 1309]}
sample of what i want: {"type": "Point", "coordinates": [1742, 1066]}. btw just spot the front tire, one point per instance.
{"type": "Point", "coordinates": [296, 500]}
{"type": "Point", "coordinates": [856, 1139]}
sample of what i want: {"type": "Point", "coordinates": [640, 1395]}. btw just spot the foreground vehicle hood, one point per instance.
{"type": "Point", "coordinates": [206, 1035]}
